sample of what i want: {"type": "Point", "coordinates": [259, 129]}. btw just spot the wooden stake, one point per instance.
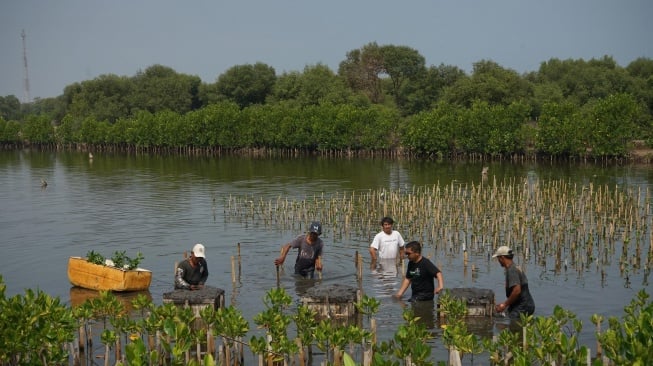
{"type": "Point", "coordinates": [233, 270]}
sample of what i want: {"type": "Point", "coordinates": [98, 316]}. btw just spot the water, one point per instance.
{"type": "Point", "coordinates": [161, 206]}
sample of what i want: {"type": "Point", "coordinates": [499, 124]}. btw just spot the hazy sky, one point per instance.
{"type": "Point", "coordinates": [74, 40]}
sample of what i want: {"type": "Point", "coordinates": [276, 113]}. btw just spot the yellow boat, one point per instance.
{"type": "Point", "coordinates": [83, 273]}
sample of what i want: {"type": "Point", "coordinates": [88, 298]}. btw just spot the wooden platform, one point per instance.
{"type": "Point", "coordinates": [196, 299]}
{"type": "Point", "coordinates": [332, 301]}
{"type": "Point", "coordinates": [480, 302]}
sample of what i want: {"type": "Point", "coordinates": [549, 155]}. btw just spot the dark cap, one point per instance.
{"type": "Point", "coordinates": [315, 227]}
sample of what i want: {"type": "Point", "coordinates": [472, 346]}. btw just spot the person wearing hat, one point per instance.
{"type": "Point", "coordinates": [385, 247]}
{"type": "Point", "coordinates": [420, 275]}
{"type": "Point", "coordinates": [519, 299]}
{"type": "Point", "coordinates": [191, 274]}
{"type": "Point", "coordinates": [309, 251]}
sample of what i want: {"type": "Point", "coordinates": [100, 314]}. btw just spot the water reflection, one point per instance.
{"type": "Point", "coordinates": [78, 296]}
{"type": "Point", "coordinates": [425, 310]}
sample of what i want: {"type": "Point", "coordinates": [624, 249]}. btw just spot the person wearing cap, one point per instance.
{"type": "Point", "coordinates": [191, 274]}
{"type": "Point", "coordinates": [519, 299]}
{"type": "Point", "coordinates": [385, 246]}
{"type": "Point", "coordinates": [420, 275]}
{"type": "Point", "coordinates": [309, 251]}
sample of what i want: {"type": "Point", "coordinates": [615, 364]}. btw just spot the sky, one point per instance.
{"type": "Point", "coordinates": [69, 41]}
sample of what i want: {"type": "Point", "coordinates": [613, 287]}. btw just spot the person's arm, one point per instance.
{"type": "Point", "coordinates": [404, 287]}
{"type": "Point", "coordinates": [373, 253]}
{"type": "Point", "coordinates": [180, 283]}
{"type": "Point", "coordinates": [284, 252]}
{"type": "Point", "coordinates": [205, 274]}
{"type": "Point", "coordinates": [402, 247]}
{"type": "Point", "coordinates": [374, 247]}
{"type": "Point", "coordinates": [318, 263]}
{"type": "Point", "coordinates": [514, 295]}
{"type": "Point", "coordinates": [440, 282]}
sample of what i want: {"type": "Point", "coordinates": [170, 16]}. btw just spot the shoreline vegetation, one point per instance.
{"type": "Point", "coordinates": [383, 101]}
{"type": "Point", "coordinates": [635, 155]}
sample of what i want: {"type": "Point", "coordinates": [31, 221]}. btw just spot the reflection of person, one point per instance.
{"type": "Point", "coordinates": [191, 274]}
{"type": "Point", "coordinates": [420, 275]}
{"type": "Point", "coordinates": [425, 310]}
{"type": "Point", "coordinates": [519, 299]}
{"type": "Point", "coordinates": [309, 253]}
{"type": "Point", "coordinates": [387, 243]}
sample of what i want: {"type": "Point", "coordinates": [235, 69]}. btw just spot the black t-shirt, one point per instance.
{"type": "Point", "coordinates": [422, 279]}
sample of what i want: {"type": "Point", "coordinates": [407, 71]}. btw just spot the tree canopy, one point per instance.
{"type": "Point", "coordinates": [381, 97]}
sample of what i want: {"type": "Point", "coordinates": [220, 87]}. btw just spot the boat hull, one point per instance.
{"type": "Point", "coordinates": [83, 273]}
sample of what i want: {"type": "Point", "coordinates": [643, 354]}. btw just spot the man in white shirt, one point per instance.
{"type": "Point", "coordinates": [387, 246]}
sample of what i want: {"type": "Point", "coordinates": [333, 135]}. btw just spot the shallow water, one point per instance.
{"type": "Point", "coordinates": [161, 206]}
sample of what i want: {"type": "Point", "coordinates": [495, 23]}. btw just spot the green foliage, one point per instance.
{"type": "Point", "coordinates": [246, 84]}
{"type": "Point", "coordinates": [38, 130]}
{"type": "Point", "coordinates": [9, 108]}
{"type": "Point", "coordinates": [119, 258]}
{"type": "Point", "coordinates": [33, 329]}
{"type": "Point", "coordinates": [629, 341]}
{"type": "Point", "coordinates": [95, 257]}
{"type": "Point", "coordinates": [489, 83]}
{"type": "Point", "coordinates": [560, 130]}
{"type": "Point", "coordinates": [383, 97]}
{"type": "Point", "coordinates": [432, 132]}
{"type": "Point", "coordinates": [456, 336]}
{"type": "Point", "coordinates": [582, 81]}
{"type": "Point", "coordinates": [611, 124]}
{"type": "Point", "coordinates": [275, 322]}
{"type": "Point", "coordinates": [316, 85]}
{"type": "Point", "coordinates": [9, 131]}
{"type": "Point", "coordinates": [540, 341]}
{"type": "Point", "coordinates": [227, 322]}
{"type": "Point", "coordinates": [410, 340]}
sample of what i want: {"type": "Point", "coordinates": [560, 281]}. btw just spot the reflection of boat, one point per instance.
{"type": "Point", "coordinates": [80, 295]}
{"type": "Point", "coordinates": [83, 273]}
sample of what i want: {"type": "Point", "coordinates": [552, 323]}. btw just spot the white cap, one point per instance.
{"type": "Point", "coordinates": [198, 250]}
{"type": "Point", "coordinates": [502, 251]}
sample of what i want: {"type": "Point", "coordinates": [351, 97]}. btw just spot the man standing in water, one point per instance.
{"type": "Point", "coordinates": [420, 275]}
{"type": "Point", "coordinates": [519, 299]}
{"type": "Point", "coordinates": [385, 246]}
{"type": "Point", "coordinates": [309, 253]}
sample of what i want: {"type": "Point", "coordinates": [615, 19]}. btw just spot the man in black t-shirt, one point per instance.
{"type": "Point", "coordinates": [420, 275]}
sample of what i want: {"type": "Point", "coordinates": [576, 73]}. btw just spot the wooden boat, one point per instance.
{"type": "Point", "coordinates": [83, 273]}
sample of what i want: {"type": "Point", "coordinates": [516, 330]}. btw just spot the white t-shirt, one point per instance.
{"type": "Point", "coordinates": [388, 245]}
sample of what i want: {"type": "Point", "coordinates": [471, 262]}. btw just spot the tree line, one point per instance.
{"type": "Point", "coordinates": [382, 97]}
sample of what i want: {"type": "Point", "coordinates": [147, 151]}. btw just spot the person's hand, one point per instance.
{"type": "Point", "coordinates": [438, 290]}
{"type": "Point", "coordinates": [500, 307]}
{"type": "Point", "coordinates": [318, 266]}
{"type": "Point", "coordinates": [279, 261]}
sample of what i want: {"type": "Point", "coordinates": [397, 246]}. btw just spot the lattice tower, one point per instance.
{"type": "Point", "coordinates": [26, 97]}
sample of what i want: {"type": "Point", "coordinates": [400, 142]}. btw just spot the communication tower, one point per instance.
{"type": "Point", "coordinates": [26, 97]}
